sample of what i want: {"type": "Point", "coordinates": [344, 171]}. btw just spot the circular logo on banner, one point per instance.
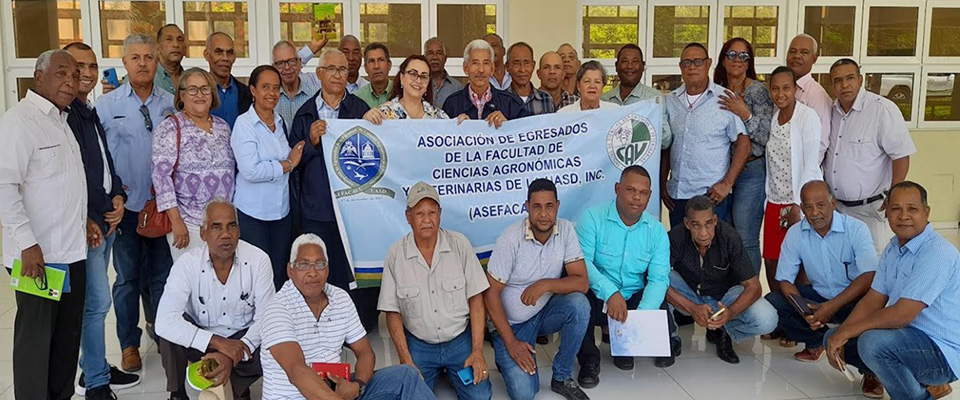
{"type": "Point", "coordinates": [359, 160]}
{"type": "Point", "coordinates": [631, 141]}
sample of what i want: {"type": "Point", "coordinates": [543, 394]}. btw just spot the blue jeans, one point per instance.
{"type": "Point", "coordinates": [399, 382]}
{"type": "Point", "coordinates": [273, 237]}
{"type": "Point", "coordinates": [138, 261]}
{"type": "Point", "coordinates": [564, 313]}
{"type": "Point", "coordinates": [749, 197]}
{"type": "Point", "coordinates": [723, 210]}
{"type": "Point", "coordinates": [906, 360]}
{"type": "Point", "coordinates": [758, 319]}
{"type": "Point", "coordinates": [794, 325]}
{"type": "Point", "coordinates": [93, 348]}
{"type": "Point", "coordinates": [432, 359]}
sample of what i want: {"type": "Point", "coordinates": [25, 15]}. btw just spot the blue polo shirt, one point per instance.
{"type": "Point", "coordinates": [229, 108]}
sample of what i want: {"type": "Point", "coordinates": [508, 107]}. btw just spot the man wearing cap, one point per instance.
{"type": "Point", "coordinates": [431, 294]}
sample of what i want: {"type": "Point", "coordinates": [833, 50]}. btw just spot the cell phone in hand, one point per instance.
{"type": "Point", "coordinates": [110, 75]}
{"type": "Point", "coordinates": [718, 313]}
{"type": "Point", "coordinates": [800, 304]}
{"type": "Point", "coordinates": [466, 375]}
{"type": "Point", "coordinates": [843, 368]}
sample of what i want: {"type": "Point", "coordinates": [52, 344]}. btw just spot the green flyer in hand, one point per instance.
{"type": "Point", "coordinates": [196, 374]}
{"type": "Point", "coordinates": [50, 286]}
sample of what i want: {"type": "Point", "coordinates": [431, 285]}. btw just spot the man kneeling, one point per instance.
{"type": "Point", "coordinates": [209, 303]}
{"type": "Point", "coordinates": [307, 322]}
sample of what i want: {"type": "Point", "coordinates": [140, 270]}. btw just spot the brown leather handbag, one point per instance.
{"type": "Point", "coordinates": [152, 223]}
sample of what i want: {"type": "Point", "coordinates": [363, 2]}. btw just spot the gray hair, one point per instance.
{"type": "Point", "coordinates": [330, 52]}
{"type": "Point", "coordinates": [217, 201]}
{"type": "Point", "coordinates": [137, 38]}
{"type": "Point", "coordinates": [350, 37]}
{"type": "Point", "coordinates": [477, 44]}
{"type": "Point", "coordinates": [813, 39]}
{"type": "Point", "coordinates": [43, 62]}
{"type": "Point", "coordinates": [592, 66]}
{"type": "Point", "coordinates": [284, 44]}
{"type": "Point", "coordinates": [437, 40]}
{"type": "Point", "coordinates": [699, 203]}
{"type": "Point", "coordinates": [303, 240]}
{"type": "Point", "coordinates": [210, 38]}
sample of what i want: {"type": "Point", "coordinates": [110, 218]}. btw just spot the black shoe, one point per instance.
{"type": "Point", "coordinates": [624, 363]}
{"type": "Point", "coordinates": [676, 347]}
{"type": "Point", "coordinates": [543, 339]}
{"type": "Point", "coordinates": [101, 393]}
{"type": "Point", "coordinates": [681, 319]}
{"type": "Point", "coordinates": [605, 338]}
{"type": "Point", "coordinates": [589, 376]}
{"type": "Point", "coordinates": [725, 347]}
{"type": "Point", "coordinates": [568, 389]}
{"type": "Point", "coordinates": [118, 380]}
{"type": "Point", "coordinates": [179, 396]}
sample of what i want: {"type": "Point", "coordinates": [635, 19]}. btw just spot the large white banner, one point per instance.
{"type": "Point", "coordinates": [481, 173]}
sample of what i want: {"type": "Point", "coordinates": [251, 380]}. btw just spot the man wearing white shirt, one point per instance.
{"type": "Point", "coordinates": [802, 55]}
{"type": "Point", "coordinates": [43, 206]}
{"type": "Point", "coordinates": [350, 47]}
{"type": "Point", "coordinates": [210, 302]}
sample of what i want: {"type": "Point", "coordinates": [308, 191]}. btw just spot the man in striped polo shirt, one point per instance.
{"type": "Point", "coordinates": [307, 322]}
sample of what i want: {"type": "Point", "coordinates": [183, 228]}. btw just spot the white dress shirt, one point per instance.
{"type": "Point", "coordinates": [815, 96]}
{"type": "Point", "coordinates": [216, 308]}
{"type": "Point", "coordinates": [863, 144]}
{"type": "Point", "coordinates": [43, 188]}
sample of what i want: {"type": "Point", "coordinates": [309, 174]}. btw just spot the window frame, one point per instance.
{"type": "Point", "coordinates": [865, 32]}
{"type": "Point", "coordinates": [857, 25]}
{"type": "Point", "coordinates": [712, 46]}
{"type": "Point", "coordinates": [355, 23]}
{"type": "Point", "coordinates": [925, 71]}
{"type": "Point", "coordinates": [244, 65]}
{"type": "Point", "coordinates": [782, 17]}
{"type": "Point", "coordinates": [928, 14]}
{"type": "Point", "coordinates": [898, 69]}
{"type": "Point", "coordinates": [97, 30]}
{"type": "Point", "coordinates": [275, 28]}
{"type": "Point", "coordinates": [610, 63]}
{"type": "Point", "coordinates": [454, 65]}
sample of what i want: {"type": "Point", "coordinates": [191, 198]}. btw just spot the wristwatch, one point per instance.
{"type": "Point", "coordinates": [361, 386]}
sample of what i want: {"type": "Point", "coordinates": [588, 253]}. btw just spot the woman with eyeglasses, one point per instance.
{"type": "Point", "coordinates": [412, 95]}
{"type": "Point", "coordinates": [264, 161]}
{"type": "Point", "coordinates": [591, 78]}
{"type": "Point", "coordinates": [749, 99]}
{"type": "Point", "coordinates": [192, 159]}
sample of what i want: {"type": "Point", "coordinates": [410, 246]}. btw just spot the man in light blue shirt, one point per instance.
{"type": "Point", "coordinates": [699, 160]}
{"type": "Point", "coordinates": [905, 329]}
{"type": "Point", "coordinates": [627, 253]}
{"type": "Point", "coordinates": [837, 253]}
{"type": "Point", "coordinates": [128, 115]}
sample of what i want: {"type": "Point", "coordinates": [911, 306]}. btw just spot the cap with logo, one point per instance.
{"type": "Point", "coordinates": [421, 190]}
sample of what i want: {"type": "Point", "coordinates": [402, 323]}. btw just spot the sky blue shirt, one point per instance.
{"type": "Point", "coordinates": [832, 262]}
{"type": "Point", "coordinates": [926, 269]}
{"type": "Point", "coordinates": [262, 187]}
{"type": "Point", "coordinates": [229, 108]}
{"type": "Point", "coordinates": [129, 140]}
{"type": "Point", "coordinates": [625, 259]}
{"type": "Point", "coordinates": [702, 139]}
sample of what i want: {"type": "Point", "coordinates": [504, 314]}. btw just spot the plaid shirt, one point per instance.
{"type": "Point", "coordinates": [567, 99]}
{"type": "Point", "coordinates": [479, 101]}
{"type": "Point", "coordinates": [538, 102]}
{"type": "Point", "coordinates": [325, 112]}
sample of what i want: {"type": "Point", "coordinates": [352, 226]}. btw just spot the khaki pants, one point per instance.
{"type": "Point", "coordinates": [876, 221]}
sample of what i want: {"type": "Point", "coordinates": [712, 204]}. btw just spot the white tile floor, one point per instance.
{"type": "Point", "coordinates": [766, 371]}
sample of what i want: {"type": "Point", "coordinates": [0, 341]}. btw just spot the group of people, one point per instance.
{"type": "Point", "coordinates": [239, 171]}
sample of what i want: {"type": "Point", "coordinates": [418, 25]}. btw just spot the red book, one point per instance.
{"type": "Point", "coordinates": [338, 369]}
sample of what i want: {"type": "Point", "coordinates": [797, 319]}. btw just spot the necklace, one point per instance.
{"type": "Point", "coordinates": [695, 99]}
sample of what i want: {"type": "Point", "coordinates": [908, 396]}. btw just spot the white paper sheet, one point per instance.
{"type": "Point", "coordinates": [644, 334]}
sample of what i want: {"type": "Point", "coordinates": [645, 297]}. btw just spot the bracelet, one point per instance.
{"type": "Point", "coordinates": [748, 118]}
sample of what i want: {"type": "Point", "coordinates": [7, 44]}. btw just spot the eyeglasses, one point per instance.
{"type": "Point", "coordinates": [289, 63]}
{"type": "Point", "coordinates": [41, 282]}
{"type": "Point", "coordinates": [414, 76]}
{"type": "Point", "coordinates": [306, 265]}
{"type": "Point", "coordinates": [147, 122]}
{"type": "Point", "coordinates": [733, 55]}
{"type": "Point", "coordinates": [686, 63]}
{"type": "Point", "coordinates": [334, 71]}
{"type": "Point", "coordinates": [193, 90]}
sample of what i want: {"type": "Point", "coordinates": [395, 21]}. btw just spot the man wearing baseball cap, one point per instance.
{"type": "Point", "coordinates": [432, 281]}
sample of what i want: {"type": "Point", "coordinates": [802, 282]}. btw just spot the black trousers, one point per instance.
{"type": "Point", "coordinates": [46, 341]}
{"type": "Point", "coordinates": [176, 357]}
{"type": "Point", "coordinates": [589, 352]}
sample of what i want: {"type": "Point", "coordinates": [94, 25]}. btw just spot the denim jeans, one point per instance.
{"type": "Point", "coordinates": [432, 359]}
{"type": "Point", "coordinates": [399, 382]}
{"type": "Point", "coordinates": [758, 319]}
{"type": "Point", "coordinates": [906, 360]}
{"type": "Point", "coordinates": [273, 237]}
{"type": "Point", "coordinates": [723, 211]}
{"type": "Point", "coordinates": [138, 260]}
{"type": "Point", "coordinates": [564, 313]}
{"type": "Point", "coordinates": [749, 197]}
{"type": "Point", "coordinates": [93, 348]}
{"type": "Point", "coordinates": [794, 326]}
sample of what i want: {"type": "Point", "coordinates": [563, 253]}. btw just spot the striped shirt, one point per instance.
{"type": "Point", "coordinates": [287, 318]}
{"type": "Point", "coordinates": [926, 269]}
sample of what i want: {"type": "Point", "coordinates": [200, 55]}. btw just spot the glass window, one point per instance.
{"type": "Point", "coordinates": [942, 104]}
{"type": "Point", "coordinates": [458, 24]}
{"type": "Point", "coordinates": [395, 25]}
{"type": "Point", "coordinates": [676, 26]}
{"type": "Point", "coordinates": [119, 19]}
{"type": "Point", "coordinates": [824, 81]}
{"type": "Point", "coordinates": [897, 87]}
{"type": "Point", "coordinates": [607, 28]}
{"type": "Point", "coordinates": [667, 83]}
{"type": "Point", "coordinates": [757, 24]}
{"type": "Point", "coordinates": [832, 27]}
{"type": "Point", "coordinates": [945, 27]}
{"type": "Point", "coordinates": [892, 31]}
{"type": "Point", "coordinates": [24, 84]}
{"type": "Point", "coordinates": [205, 17]}
{"type": "Point", "coordinates": [41, 25]}
{"type": "Point", "coordinates": [297, 19]}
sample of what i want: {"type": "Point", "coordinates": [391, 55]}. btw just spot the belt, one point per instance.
{"type": "Point", "coordinates": [753, 158]}
{"type": "Point", "coordinates": [858, 203]}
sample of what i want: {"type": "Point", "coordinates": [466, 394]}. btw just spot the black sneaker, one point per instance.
{"type": "Point", "coordinates": [624, 363]}
{"type": "Point", "coordinates": [568, 389]}
{"type": "Point", "coordinates": [725, 347]}
{"type": "Point", "coordinates": [179, 396]}
{"type": "Point", "coordinates": [118, 380]}
{"type": "Point", "coordinates": [605, 338]}
{"type": "Point", "coordinates": [675, 349]}
{"type": "Point", "coordinates": [101, 393]}
{"type": "Point", "coordinates": [589, 376]}
{"type": "Point", "coordinates": [543, 339]}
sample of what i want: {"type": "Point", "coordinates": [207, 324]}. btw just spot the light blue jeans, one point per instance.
{"type": "Point", "coordinates": [431, 359]}
{"type": "Point", "coordinates": [398, 382]}
{"type": "Point", "coordinates": [758, 319]}
{"type": "Point", "coordinates": [93, 351]}
{"type": "Point", "coordinates": [749, 198]}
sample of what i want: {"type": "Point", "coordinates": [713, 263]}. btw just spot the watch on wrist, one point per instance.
{"type": "Point", "coordinates": [361, 386]}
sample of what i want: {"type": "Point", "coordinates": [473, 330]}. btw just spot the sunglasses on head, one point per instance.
{"type": "Point", "coordinates": [733, 55]}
